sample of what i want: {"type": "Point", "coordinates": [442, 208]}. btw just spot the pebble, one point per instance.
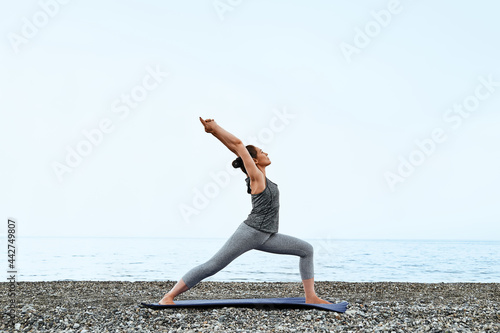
{"type": "Point", "coordinates": [374, 307]}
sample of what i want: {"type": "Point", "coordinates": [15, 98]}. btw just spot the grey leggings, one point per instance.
{"type": "Point", "coordinates": [246, 238]}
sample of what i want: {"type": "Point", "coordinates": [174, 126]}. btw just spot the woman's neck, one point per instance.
{"type": "Point", "coordinates": [262, 169]}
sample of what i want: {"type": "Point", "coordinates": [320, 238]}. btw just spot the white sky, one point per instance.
{"type": "Point", "coordinates": [349, 118]}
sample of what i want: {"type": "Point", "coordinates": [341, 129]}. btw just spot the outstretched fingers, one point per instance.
{"type": "Point", "coordinates": [207, 125]}
{"type": "Point", "coordinates": [204, 123]}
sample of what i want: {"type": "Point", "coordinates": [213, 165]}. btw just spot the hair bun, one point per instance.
{"type": "Point", "coordinates": [237, 163]}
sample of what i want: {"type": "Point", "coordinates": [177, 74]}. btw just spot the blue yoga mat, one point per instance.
{"type": "Point", "coordinates": [266, 303]}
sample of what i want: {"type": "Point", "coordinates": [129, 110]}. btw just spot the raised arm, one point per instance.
{"type": "Point", "coordinates": [228, 139]}
{"type": "Point", "coordinates": [236, 146]}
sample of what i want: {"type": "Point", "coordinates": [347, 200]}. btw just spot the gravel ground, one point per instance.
{"type": "Point", "coordinates": [89, 306]}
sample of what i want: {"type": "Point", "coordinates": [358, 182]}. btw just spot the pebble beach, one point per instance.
{"type": "Point", "coordinates": [90, 306]}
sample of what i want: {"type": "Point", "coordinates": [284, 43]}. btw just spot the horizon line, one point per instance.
{"type": "Point", "coordinates": [212, 238]}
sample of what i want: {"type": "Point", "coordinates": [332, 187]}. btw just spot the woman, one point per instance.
{"type": "Point", "coordinates": [260, 230]}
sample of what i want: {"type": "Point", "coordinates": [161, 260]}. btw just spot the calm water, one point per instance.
{"type": "Point", "coordinates": [153, 259]}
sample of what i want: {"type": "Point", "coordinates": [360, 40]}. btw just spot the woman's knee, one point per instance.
{"type": "Point", "coordinates": [308, 249]}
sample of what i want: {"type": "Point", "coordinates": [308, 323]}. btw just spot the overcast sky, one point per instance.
{"type": "Point", "coordinates": [381, 118]}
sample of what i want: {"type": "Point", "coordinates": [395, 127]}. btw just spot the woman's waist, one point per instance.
{"type": "Point", "coordinates": [261, 216]}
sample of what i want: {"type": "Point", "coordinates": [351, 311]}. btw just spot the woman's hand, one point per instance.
{"type": "Point", "coordinates": [209, 125]}
{"type": "Point", "coordinates": [229, 140]}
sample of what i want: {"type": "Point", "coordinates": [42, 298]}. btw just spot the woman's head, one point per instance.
{"type": "Point", "coordinates": [259, 157]}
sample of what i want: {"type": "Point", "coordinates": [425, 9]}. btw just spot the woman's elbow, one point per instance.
{"type": "Point", "coordinates": [238, 143]}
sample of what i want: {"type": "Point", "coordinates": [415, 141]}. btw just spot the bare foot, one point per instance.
{"type": "Point", "coordinates": [316, 300]}
{"type": "Point", "coordinates": [167, 299]}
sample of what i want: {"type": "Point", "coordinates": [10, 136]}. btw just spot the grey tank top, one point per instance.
{"type": "Point", "coordinates": [265, 208]}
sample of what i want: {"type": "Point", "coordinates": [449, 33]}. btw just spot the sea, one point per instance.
{"type": "Point", "coordinates": [162, 259]}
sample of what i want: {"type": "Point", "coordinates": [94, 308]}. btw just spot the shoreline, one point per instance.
{"type": "Point", "coordinates": [113, 306]}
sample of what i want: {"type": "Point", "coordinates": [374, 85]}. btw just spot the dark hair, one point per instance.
{"type": "Point", "coordinates": [238, 163]}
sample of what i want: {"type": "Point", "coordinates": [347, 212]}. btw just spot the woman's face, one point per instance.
{"type": "Point", "coordinates": [262, 158]}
